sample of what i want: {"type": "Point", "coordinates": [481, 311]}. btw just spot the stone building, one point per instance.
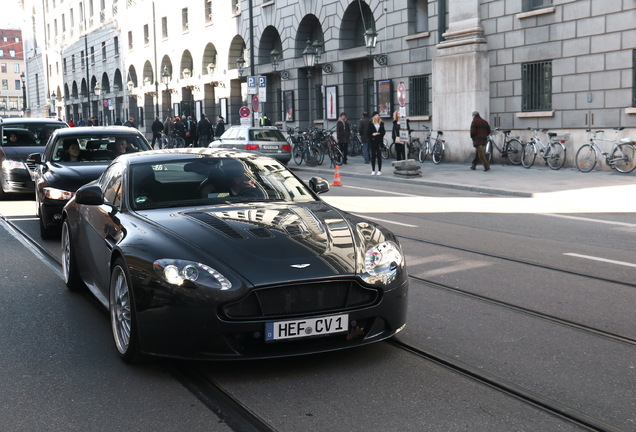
{"type": "Point", "coordinates": [560, 64]}
{"type": "Point", "coordinates": [11, 73]}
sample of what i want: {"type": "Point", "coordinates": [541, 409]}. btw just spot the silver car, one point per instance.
{"type": "Point", "coordinates": [266, 140]}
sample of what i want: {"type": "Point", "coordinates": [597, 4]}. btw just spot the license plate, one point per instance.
{"type": "Point", "coordinates": [269, 147]}
{"type": "Point", "coordinates": [308, 327]}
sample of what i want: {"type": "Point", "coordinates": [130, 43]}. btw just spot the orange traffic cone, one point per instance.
{"type": "Point", "coordinates": [336, 177]}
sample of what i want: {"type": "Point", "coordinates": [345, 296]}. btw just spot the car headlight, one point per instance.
{"type": "Point", "coordinates": [9, 164]}
{"type": "Point", "coordinates": [381, 263]}
{"type": "Point", "coordinates": [180, 272]}
{"type": "Point", "coordinates": [57, 194]}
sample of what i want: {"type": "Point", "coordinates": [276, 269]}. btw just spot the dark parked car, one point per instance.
{"type": "Point", "coordinates": [72, 158]}
{"type": "Point", "coordinates": [211, 254]}
{"type": "Point", "coordinates": [266, 140]}
{"type": "Point", "coordinates": [21, 137]}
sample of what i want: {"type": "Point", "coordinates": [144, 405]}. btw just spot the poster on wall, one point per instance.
{"type": "Point", "coordinates": [331, 102]}
{"type": "Point", "coordinates": [384, 92]}
{"type": "Point", "coordinates": [198, 109]}
{"type": "Point", "coordinates": [289, 105]}
{"type": "Point", "coordinates": [223, 102]}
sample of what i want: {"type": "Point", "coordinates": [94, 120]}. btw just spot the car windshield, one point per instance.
{"type": "Point", "coordinates": [96, 148]}
{"type": "Point", "coordinates": [203, 181]}
{"type": "Point", "coordinates": [266, 135]}
{"type": "Point", "coordinates": [18, 138]}
{"type": "Point", "coordinates": [41, 130]}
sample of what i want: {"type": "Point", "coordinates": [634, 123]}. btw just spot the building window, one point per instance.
{"type": "Point", "coordinates": [530, 5]}
{"type": "Point", "coordinates": [536, 83]}
{"type": "Point", "coordinates": [130, 41]}
{"type": "Point", "coordinates": [164, 27]}
{"type": "Point", "coordinates": [146, 35]}
{"type": "Point", "coordinates": [16, 68]}
{"type": "Point", "coordinates": [1, 53]}
{"type": "Point", "coordinates": [116, 45]}
{"type": "Point", "coordinates": [3, 67]}
{"type": "Point", "coordinates": [73, 62]}
{"type": "Point", "coordinates": [419, 16]}
{"type": "Point", "coordinates": [103, 51]}
{"type": "Point", "coordinates": [319, 111]}
{"type": "Point", "coordinates": [83, 59]}
{"type": "Point", "coordinates": [419, 95]}
{"type": "Point", "coordinates": [236, 7]}
{"type": "Point", "coordinates": [5, 84]}
{"type": "Point", "coordinates": [184, 20]}
{"type": "Point", "coordinates": [92, 55]}
{"type": "Point", "coordinates": [208, 11]}
{"type": "Point", "coordinates": [17, 85]}
{"type": "Point", "coordinates": [11, 52]}
{"type": "Point", "coordinates": [368, 90]}
{"type": "Point", "coordinates": [634, 78]}
{"type": "Point", "coordinates": [64, 66]}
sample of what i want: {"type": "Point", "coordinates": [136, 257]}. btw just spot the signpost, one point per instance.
{"type": "Point", "coordinates": [401, 97]}
{"type": "Point", "coordinates": [245, 114]}
{"type": "Point", "coordinates": [251, 85]}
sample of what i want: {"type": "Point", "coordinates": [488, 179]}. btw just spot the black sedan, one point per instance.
{"type": "Point", "coordinates": [214, 254]}
{"type": "Point", "coordinates": [72, 158]}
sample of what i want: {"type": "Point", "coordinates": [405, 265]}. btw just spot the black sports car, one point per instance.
{"type": "Point", "coordinates": [72, 158]}
{"type": "Point", "coordinates": [213, 254]}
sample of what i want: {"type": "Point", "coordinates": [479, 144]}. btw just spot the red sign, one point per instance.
{"type": "Point", "coordinates": [244, 112]}
{"type": "Point", "coordinates": [401, 94]}
{"type": "Point", "coordinates": [255, 103]}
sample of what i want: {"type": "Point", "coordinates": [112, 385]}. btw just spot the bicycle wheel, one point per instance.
{"type": "Point", "coordinates": [423, 151]}
{"type": "Point", "coordinates": [556, 156]}
{"type": "Point", "coordinates": [514, 151]}
{"type": "Point", "coordinates": [298, 153]}
{"type": "Point", "coordinates": [320, 152]}
{"type": "Point", "coordinates": [414, 149]}
{"type": "Point", "coordinates": [336, 155]}
{"type": "Point", "coordinates": [384, 150]}
{"type": "Point", "coordinates": [488, 150]}
{"type": "Point", "coordinates": [623, 158]}
{"type": "Point", "coordinates": [586, 158]}
{"type": "Point", "coordinates": [528, 155]}
{"type": "Point", "coordinates": [438, 151]}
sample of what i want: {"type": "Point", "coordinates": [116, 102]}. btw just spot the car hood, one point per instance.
{"type": "Point", "coordinates": [71, 177]}
{"type": "Point", "coordinates": [21, 152]}
{"type": "Point", "coordinates": [264, 242]}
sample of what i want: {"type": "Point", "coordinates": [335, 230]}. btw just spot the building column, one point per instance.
{"type": "Point", "coordinates": [460, 78]}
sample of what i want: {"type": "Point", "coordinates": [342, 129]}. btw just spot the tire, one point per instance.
{"type": "Point", "coordinates": [320, 153]}
{"type": "Point", "coordinates": [312, 156]}
{"type": "Point", "coordinates": [528, 155]}
{"type": "Point", "coordinates": [514, 152]}
{"type": "Point", "coordinates": [122, 314]}
{"type": "Point", "coordinates": [336, 156]}
{"type": "Point", "coordinates": [46, 233]}
{"type": "Point", "coordinates": [69, 267]}
{"type": "Point", "coordinates": [556, 156]}
{"type": "Point", "coordinates": [424, 151]}
{"type": "Point", "coordinates": [586, 158]}
{"type": "Point", "coordinates": [488, 151]}
{"type": "Point", "coordinates": [298, 154]}
{"type": "Point", "coordinates": [384, 150]}
{"type": "Point", "coordinates": [414, 149]}
{"type": "Point", "coordinates": [621, 165]}
{"type": "Point", "coordinates": [438, 152]}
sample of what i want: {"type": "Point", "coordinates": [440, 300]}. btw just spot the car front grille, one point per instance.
{"type": "Point", "coordinates": [308, 298]}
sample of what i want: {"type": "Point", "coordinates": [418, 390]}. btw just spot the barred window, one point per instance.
{"type": "Point", "coordinates": [634, 78]}
{"type": "Point", "coordinates": [369, 95]}
{"type": "Point", "coordinates": [530, 5]}
{"type": "Point", "coordinates": [419, 100]}
{"type": "Point", "coordinates": [319, 113]}
{"type": "Point", "coordinates": [208, 11]}
{"type": "Point", "coordinates": [536, 82]}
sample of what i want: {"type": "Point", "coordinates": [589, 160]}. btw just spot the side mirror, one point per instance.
{"type": "Point", "coordinates": [319, 185]}
{"type": "Point", "coordinates": [89, 195]}
{"type": "Point", "coordinates": [35, 158]}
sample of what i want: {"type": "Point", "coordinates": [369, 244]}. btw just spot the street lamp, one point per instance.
{"type": "Point", "coordinates": [98, 90]}
{"type": "Point", "coordinates": [371, 38]}
{"type": "Point", "coordinates": [309, 57]}
{"type": "Point", "coordinates": [274, 55]}
{"type": "Point", "coordinates": [187, 73]}
{"type": "Point", "coordinates": [240, 65]}
{"type": "Point", "coordinates": [23, 79]}
{"type": "Point", "coordinates": [165, 78]}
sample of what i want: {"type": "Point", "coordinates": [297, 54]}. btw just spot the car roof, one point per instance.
{"type": "Point", "coordinates": [96, 130]}
{"type": "Point", "coordinates": [152, 156]}
{"type": "Point", "coordinates": [252, 127]}
{"type": "Point", "coordinates": [26, 120]}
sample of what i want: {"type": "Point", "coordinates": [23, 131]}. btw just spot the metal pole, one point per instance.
{"type": "Point", "coordinates": [154, 35]}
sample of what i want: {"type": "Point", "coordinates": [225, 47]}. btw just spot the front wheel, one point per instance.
{"type": "Point", "coordinates": [556, 156]}
{"type": "Point", "coordinates": [528, 155]}
{"type": "Point", "coordinates": [586, 158]}
{"type": "Point", "coordinates": [623, 158]}
{"type": "Point", "coordinates": [298, 154]}
{"type": "Point", "coordinates": [385, 150]}
{"type": "Point", "coordinates": [438, 152]}
{"type": "Point", "coordinates": [122, 314]}
{"type": "Point", "coordinates": [69, 267]}
{"type": "Point", "coordinates": [514, 151]}
{"type": "Point", "coordinates": [488, 151]}
{"type": "Point", "coordinates": [336, 155]}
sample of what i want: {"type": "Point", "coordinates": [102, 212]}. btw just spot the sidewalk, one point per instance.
{"type": "Point", "coordinates": [507, 180]}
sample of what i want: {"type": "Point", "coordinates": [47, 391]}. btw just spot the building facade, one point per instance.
{"type": "Point", "coordinates": [11, 73]}
{"type": "Point", "coordinates": [565, 65]}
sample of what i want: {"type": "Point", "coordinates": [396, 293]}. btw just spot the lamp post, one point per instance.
{"type": "Point", "coordinates": [274, 55]}
{"type": "Point", "coordinates": [98, 90]}
{"type": "Point", "coordinates": [371, 38]}
{"type": "Point", "coordinates": [240, 65]}
{"type": "Point", "coordinates": [165, 78]}
{"type": "Point", "coordinates": [116, 93]}
{"type": "Point", "coordinates": [131, 85]}
{"type": "Point", "coordinates": [23, 79]}
{"type": "Point", "coordinates": [309, 57]}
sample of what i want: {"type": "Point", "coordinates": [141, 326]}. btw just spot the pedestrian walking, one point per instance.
{"type": "Point", "coordinates": [265, 121]}
{"type": "Point", "coordinates": [376, 134]}
{"type": "Point", "coordinates": [343, 135]}
{"type": "Point", "coordinates": [168, 126]}
{"type": "Point", "coordinates": [130, 122]}
{"type": "Point", "coordinates": [204, 131]}
{"type": "Point", "coordinates": [220, 128]}
{"type": "Point", "coordinates": [179, 127]}
{"type": "Point", "coordinates": [479, 131]}
{"type": "Point", "coordinates": [157, 128]}
{"type": "Point", "coordinates": [395, 134]}
{"type": "Point", "coordinates": [190, 132]}
{"type": "Point", "coordinates": [363, 130]}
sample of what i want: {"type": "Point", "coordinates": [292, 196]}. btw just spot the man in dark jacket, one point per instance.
{"type": "Point", "coordinates": [343, 135]}
{"type": "Point", "coordinates": [479, 131]}
{"type": "Point", "coordinates": [204, 131]}
{"type": "Point", "coordinates": [363, 130]}
{"type": "Point", "coordinates": [220, 127]}
{"type": "Point", "coordinates": [157, 128]}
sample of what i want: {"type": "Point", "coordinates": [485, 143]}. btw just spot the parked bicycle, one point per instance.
{"type": "Point", "coordinates": [622, 157]}
{"type": "Point", "coordinates": [355, 144]}
{"type": "Point", "coordinates": [552, 153]}
{"type": "Point", "coordinates": [511, 149]}
{"type": "Point", "coordinates": [433, 145]}
{"type": "Point", "coordinates": [172, 141]}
